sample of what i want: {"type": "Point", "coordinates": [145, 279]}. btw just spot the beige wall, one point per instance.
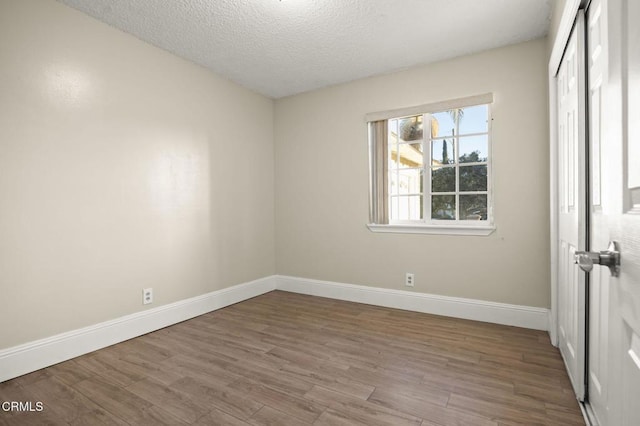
{"type": "Point", "coordinates": [121, 167]}
{"type": "Point", "coordinates": [322, 183]}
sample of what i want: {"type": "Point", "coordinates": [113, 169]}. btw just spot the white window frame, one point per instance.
{"type": "Point", "coordinates": [428, 225]}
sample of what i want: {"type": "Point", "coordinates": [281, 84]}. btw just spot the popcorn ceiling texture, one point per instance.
{"type": "Point", "coordinates": [284, 47]}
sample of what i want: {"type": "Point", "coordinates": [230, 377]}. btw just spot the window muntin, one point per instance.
{"type": "Point", "coordinates": [442, 175]}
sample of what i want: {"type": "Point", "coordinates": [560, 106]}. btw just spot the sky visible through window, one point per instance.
{"type": "Point", "coordinates": [473, 120]}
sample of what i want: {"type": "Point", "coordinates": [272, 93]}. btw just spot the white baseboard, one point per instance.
{"type": "Point", "coordinates": [478, 310]}
{"type": "Point", "coordinates": [42, 353]}
{"type": "Point", "coordinates": [33, 356]}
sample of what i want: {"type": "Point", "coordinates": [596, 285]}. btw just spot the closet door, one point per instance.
{"type": "Point", "coordinates": [572, 205]}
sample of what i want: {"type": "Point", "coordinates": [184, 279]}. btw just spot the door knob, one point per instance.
{"type": "Point", "coordinates": [609, 258]}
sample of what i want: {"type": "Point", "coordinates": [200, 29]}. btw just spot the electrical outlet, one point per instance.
{"type": "Point", "coordinates": [147, 296]}
{"type": "Point", "coordinates": [409, 279]}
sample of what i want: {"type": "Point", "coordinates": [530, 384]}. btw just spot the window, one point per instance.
{"type": "Point", "coordinates": [431, 168]}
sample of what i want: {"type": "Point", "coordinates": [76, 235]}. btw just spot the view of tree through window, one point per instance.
{"type": "Point", "coordinates": [441, 174]}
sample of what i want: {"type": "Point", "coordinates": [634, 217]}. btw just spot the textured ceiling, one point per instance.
{"type": "Point", "coordinates": [284, 47]}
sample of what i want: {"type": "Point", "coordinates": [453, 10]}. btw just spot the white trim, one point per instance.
{"type": "Point", "coordinates": [485, 98]}
{"type": "Point", "coordinates": [477, 310]}
{"type": "Point", "coordinates": [32, 356]}
{"type": "Point", "coordinates": [431, 229]}
{"type": "Point", "coordinates": [553, 207]}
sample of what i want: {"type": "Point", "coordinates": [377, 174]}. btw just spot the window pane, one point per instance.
{"type": "Point", "coordinates": [393, 208]}
{"type": "Point", "coordinates": [392, 150]}
{"type": "Point", "coordinates": [474, 119]}
{"type": "Point", "coordinates": [410, 129]}
{"type": "Point", "coordinates": [443, 207]}
{"type": "Point", "coordinates": [443, 179]}
{"type": "Point", "coordinates": [409, 207]}
{"type": "Point", "coordinates": [392, 126]}
{"type": "Point", "coordinates": [473, 178]}
{"type": "Point", "coordinates": [411, 155]}
{"type": "Point", "coordinates": [410, 181]}
{"type": "Point", "coordinates": [473, 207]}
{"type": "Point", "coordinates": [474, 149]}
{"type": "Point", "coordinates": [442, 124]}
{"type": "Point", "coordinates": [393, 182]}
{"type": "Point", "coordinates": [442, 152]}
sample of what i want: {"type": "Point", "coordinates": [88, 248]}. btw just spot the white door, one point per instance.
{"type": "Point", "coordinates": [614, 317]}
{"type": "Point", "coordinates": [572, 205]}
{"type": "Point", "coordinates": [622, 164]}
{"type": "Point", "coordinates": [598, 286]}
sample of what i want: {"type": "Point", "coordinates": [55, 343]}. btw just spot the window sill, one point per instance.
{"type": "Point", "coordinates": [433, 229]}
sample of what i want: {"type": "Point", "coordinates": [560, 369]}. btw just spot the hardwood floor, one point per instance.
{"type": "Point", "coordinates": [289, 359]}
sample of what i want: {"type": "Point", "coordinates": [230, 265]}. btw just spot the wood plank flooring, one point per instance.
{"type": "Point", "coordinates": [289, 359]}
